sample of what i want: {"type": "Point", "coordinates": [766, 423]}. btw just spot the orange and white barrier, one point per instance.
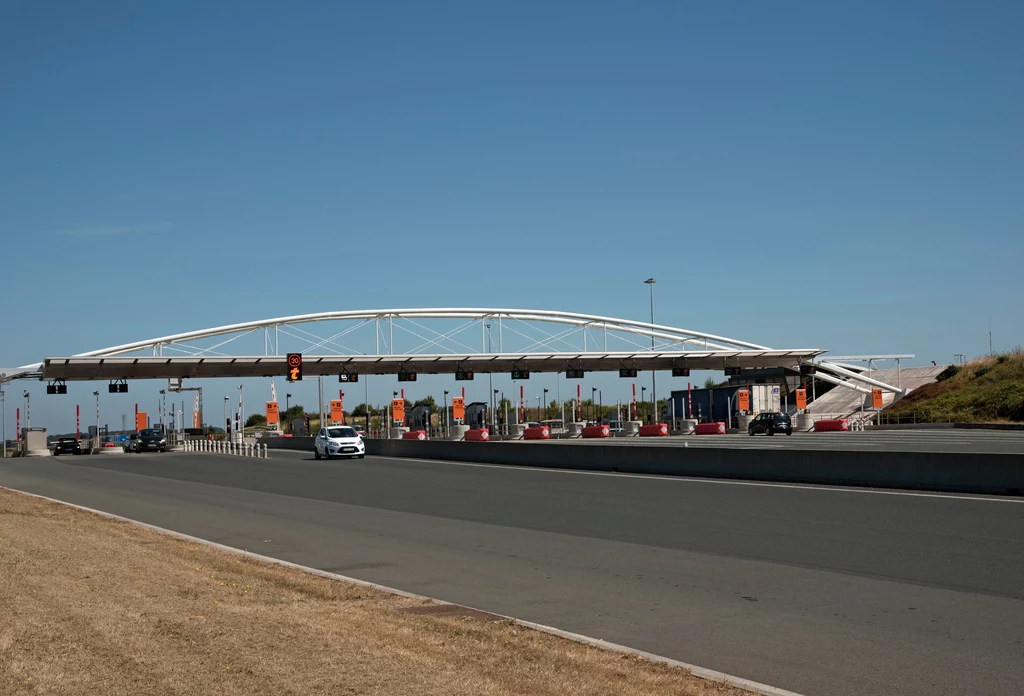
{"type": "Point", "coordinates": [478, 435]}
{"type": "Point", "coordinates": [654, 430]}
{"type": "Point", "coordinates": [596, 431]}
{"type": "Point", "coordinates": [710, 429]}
{"type": "Point", "coordinates": [838, 425]}
{"type": "Point", "coordinates": [415, 435]}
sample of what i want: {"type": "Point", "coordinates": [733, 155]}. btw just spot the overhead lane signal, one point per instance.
{"type": "Point", "coordinates": [463, 376]}
{"type": "Point", "coordinates": [295, 367]}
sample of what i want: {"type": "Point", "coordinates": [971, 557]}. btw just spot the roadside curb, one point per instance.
{"type": "Point", "coordinates": [700, 672]}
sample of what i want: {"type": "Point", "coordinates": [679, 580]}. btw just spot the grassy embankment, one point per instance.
{"type": "Point", "coordinates": [986, 390]}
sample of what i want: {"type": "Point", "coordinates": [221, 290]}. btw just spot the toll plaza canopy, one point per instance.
{"type": "Point", "coordinates": [162, 367]}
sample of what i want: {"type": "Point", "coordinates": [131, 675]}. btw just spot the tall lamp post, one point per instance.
{"type": "Point", "coordinates": [226, 421]}
{"type": "Point", "coordinates": [593, 404]}
{"type": "Point", "coordinates": [28, 409]}
{"type": "Point", "coordinates": [96, 441]}
{"type": "Point", "coordinates": [654, 389]}
{"type": "Point", "coordinates": [446, 429]}
{"type": "Point", "coordinates": [3, 422]}
{"type": "Point", "coordinates": [643, 395]}
{"type": "Point", "coordinates": [241, 413]}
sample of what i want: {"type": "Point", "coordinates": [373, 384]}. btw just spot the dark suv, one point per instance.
{"type": "Point", "coordinates": [151, 439]}
{"type": "Point", "coordinates": [771, 422]}
{"type": "Point", "coordinates": [67, 445]}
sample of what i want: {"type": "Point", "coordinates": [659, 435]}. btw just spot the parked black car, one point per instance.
{"type": "Point", "coordinates": [67, 445]}
{"type": "Point", "coordinates": [771, 422]}
{"type": "Point", "coordinates": [151, 439]}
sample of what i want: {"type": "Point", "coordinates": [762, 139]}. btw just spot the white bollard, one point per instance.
{"type": "Point", "coordinates": [266, 454]}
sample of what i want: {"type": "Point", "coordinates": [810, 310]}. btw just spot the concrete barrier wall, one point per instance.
{"type": "Point", "coordinates": [933, 471]}
{"type": "Point", "coordinates": [293, 443]}
{"type": "Point", "coordinates": [941, 471]}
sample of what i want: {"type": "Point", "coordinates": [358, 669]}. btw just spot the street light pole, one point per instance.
{"type": "Point", "coordinates": [97, 438]}
{"type": "Point", "coordinates": [654, 389]}
{"type": "Point", "coordinates": [28, 410]}
{"type": "Point", "coordinates": [3, 408]}
{"type": "Point", "coordinates": [241, 415]}
{"type": "Point", "coordinates": [226, 400]}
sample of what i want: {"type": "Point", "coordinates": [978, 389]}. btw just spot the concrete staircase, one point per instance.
{"type": "Point", "coordinates": [847, 403]}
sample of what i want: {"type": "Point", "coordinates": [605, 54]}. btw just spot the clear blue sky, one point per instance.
{"type": "Point", "coordinates": [172, 166]}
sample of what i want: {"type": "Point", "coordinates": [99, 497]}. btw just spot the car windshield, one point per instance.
{"type": "Point", "coordinates": [149, 433]}
{"type": "Point", "coordinates": [341, 432]}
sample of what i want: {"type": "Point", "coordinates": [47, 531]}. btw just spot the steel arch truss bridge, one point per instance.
{"type": "Point", "coordinates": [425, 341]}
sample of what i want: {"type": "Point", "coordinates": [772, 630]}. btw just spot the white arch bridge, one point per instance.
{"type": "Point", "coordinates": [431, 341]}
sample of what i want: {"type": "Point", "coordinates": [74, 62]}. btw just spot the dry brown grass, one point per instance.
{"type": "Point", "coordinates": [90, 605]}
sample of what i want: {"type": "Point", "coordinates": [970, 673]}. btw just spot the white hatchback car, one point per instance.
{"type": "Point", "coordinates": [338, 441]}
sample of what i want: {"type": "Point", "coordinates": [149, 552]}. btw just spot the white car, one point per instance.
{"type": "Point", "coordinates": [338, 441]}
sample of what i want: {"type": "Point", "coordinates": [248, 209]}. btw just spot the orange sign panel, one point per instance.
{"type": "Point", "coordinates": [801, 399]}
{"type": "Point", "coordinates": [337, 412]}
{"type": "Point", "coordinates": [744, 399]}
{"type": "Point", "coordinates": [141, 420]}
{"type": "Point", "coordinates": [273, 417]}
{"type": "Point", "coordinates": [876, 398]}
{"type": "Point", "coordinates": [458, 408]}
{"type": "Point", "coordinates": [398, 409]}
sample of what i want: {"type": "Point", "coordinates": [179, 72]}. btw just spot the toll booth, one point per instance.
{"type": "Point", "coordinates": [418, 417]}
{"type": "Point", "coordinates": [476, 414]}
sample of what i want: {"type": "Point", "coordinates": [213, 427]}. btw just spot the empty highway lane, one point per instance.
{"type": "Point", "coordinates": [817, 590]}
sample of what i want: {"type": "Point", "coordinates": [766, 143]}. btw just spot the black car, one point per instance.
{"type": "Point", "coordinates": [67, 445]}
{"type": "Point", "coordinates": [771, 422]}
{"type": "Point", "coordinates": [151, 439]}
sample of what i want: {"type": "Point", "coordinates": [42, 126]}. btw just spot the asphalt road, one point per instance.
{"type": "Point", "coordinates": [937, 440]}
{"type": "Point", "coordinates": [817, 590]}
